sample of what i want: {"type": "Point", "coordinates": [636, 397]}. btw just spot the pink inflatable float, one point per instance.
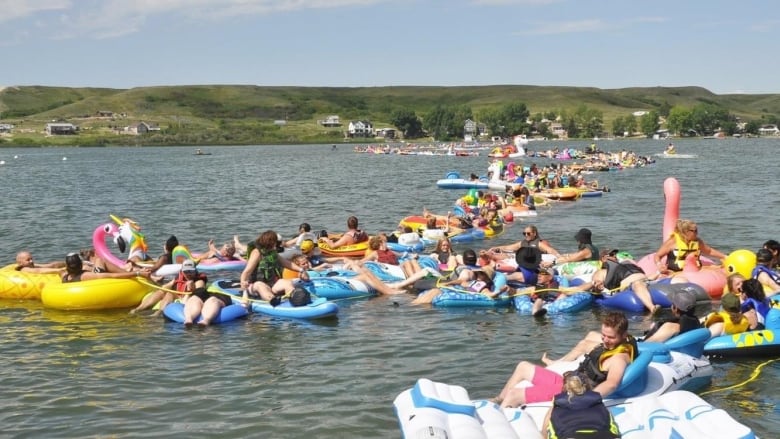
{"type": "Point", "coordinates": [709, 276]}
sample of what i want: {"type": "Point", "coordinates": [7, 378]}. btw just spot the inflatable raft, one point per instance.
{"type": "Point", "coordinates": [660, 292]}
{"type": "Point", "coordinates": [338, 287]}
{"type": "Point", "coordinates": [21, 285]}
{"type": "Point", "coordinates": [571, 302]}
{"type": "Point", "coordinates": [175, 312]}
{"type": "Point", "coordinates": [319, 308]}
{"type": "Point", "coordinates": [459, 298]}
{"type": "Point", "coordinates": [759, 343]}
{"type": "Point", "coordinates": [438, 410]}
{"type": "Point", "coordinates": [431, 409]}
{"type": "Point", "coordinates": [94, 294]}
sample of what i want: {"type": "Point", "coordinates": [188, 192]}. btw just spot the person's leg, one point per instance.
{"type": "Point", "coordinates": [365, 275]}
{"type": "Point", "coordinates": [584, 346]}
{"type": "Point", "coordinates": [149, 301]}
{"type": "Point", "coordinates": [192, 308]}
{"type": "Point", "coordinates": [409, 280]}
{"type": "Point", "coordinates": [426, 297]}
{"type": "Point", "coordinates": [210, 310]}
{"type": "Point", "coordinates": [545, 385]}
{"type": "Point", "coordinates": [263, 290]}
{"type": "Point", "coordinates": [639, 286]}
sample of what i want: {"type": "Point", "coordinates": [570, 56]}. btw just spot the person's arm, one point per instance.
{"type": "Point", "coordinates": [251, 265]}
{"type": "Point", "coordinates": [665, 248]}
{"type": "Point", "coordinates": [286, 263]}
{"type": "Point", "coordinates": [617, 367]}
{"type": "Point", "coordinates": [580, 255]}
{"type": "Point", "coordinates": [88, 275]}
{"type": "Point", "coordinates": [42, 270]}
{"type": "Point", "coordinates": [345, 239]}
{"type": "Point", "coordinates": [546, 422]}
{"type": "Point", "coordinates": [709, 251]}
{"type": "Point", "coordinates": [545, 247]}
{"type": "Point", "coordinates": [371, 255]}
{"type": "Point", "coordinates": [765, 279]}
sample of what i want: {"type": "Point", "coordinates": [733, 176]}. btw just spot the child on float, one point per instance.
{"type": "Point", "coordinates": [729, 320]}
{"type": "Point", "coordinates": [578, 411]}
{"type": "Point", "coordinates": [754, 303]}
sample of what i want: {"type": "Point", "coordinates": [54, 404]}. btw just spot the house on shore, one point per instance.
{"type": "Point", "coordinates": [330, 121]}
{"type": "Point", "coordinates": [140, 128]}
{"type": "Point", "coordinates": [60, 129]}
{"type": "Point", "coordinates": [360, 128]}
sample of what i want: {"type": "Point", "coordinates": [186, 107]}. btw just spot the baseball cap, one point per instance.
{"type": "Point", "coordinates": [684, 300]}
{"type": "Point", "coordinates": [730, 302]}
{"type": "Point", "coordinates": [307, 246]}
{"type": "Point", "coordinates": [188, 265]}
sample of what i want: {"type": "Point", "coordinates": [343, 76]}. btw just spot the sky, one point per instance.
{"type": "Point", "coordinates": [723, 46]}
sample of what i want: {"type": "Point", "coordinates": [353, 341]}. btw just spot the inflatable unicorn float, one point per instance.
{"type": "Point", "coordinates": [126, 234]}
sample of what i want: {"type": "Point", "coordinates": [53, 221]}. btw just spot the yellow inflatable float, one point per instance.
{"type": "Point", "coordinates": [94, 294]}
{"type": "Point", "coordinates": [21, 285]}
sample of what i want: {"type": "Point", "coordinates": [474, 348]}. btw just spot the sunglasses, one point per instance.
{"type": "Point", "coordinates": [528, 233]}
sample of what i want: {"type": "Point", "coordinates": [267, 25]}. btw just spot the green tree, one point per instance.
{"type": "Point", "coordinates": [679, 121]}
{"type": "Point", "coordinates": [407, 122]}
{"type": "Point", "coordinates": [648, 124]}
{"type": "Point", "coordinates": [516, 118]}
{"type": "Point", "coordinates": [752, 127]}
{"type": "Point", "coordinates": [707, 118]}
{"type": "Point", "coordinates": [439, 122]}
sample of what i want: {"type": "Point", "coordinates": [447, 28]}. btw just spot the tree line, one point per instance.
{"type": "Point", "coordinates": [446, 122]}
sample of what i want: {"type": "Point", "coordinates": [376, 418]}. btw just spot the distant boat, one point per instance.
{"type": "Point", "coordinates": [200, 152]}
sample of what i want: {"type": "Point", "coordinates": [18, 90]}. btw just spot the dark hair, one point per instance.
{"type": "Point", "coordinates": [266, 241]}
{"type": "Point", "coordinates": [753, 289]}
{"type": "Point", "coordinates": [352, 222]}
{"type": "Point", "coordinates": [73, 263]}
{"type": "Point", "coordinates": [764, 256]}
{"type": "Point", "coordinates": [300, 297]}
{"type": "Point", "coordinates": [171, 243]}
{"type": "Point", "coordinates": [772, 245]}
{"type": "Point", "coordinates": [305, 227]}
{"type": "Point", "coordinates": [616, 320]}
{"type": "Point", "coordinates": [469, 257]}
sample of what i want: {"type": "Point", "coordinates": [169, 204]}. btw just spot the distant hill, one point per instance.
{"type": "Point", "coordinates": [245, 114]}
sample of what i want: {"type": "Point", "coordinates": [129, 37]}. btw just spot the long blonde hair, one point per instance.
{"type": "Point", "coordinates": [683, 225]}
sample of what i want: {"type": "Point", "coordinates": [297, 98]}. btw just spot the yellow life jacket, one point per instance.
{"type": "Point", "coordinates": [729, 326]}
{"type": "Point", "coordinates": [675, 260]}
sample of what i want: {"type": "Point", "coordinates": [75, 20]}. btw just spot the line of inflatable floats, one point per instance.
{"type": "Point", "coordinates": [654, 399]}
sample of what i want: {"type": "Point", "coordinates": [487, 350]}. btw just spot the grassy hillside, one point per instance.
{"type": "Point", "coordinates": [240, 114]}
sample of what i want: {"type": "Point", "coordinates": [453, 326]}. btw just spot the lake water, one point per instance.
{"type": "Point", "coordinates": [99, 374]}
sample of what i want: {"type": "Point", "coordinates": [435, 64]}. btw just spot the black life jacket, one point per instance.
{"type": "Point", "coordinates": [591, 365]}
{"type": "Point", "coordinates": [617, 271]}
{"type": "Point", "coordinates": [584, 416]}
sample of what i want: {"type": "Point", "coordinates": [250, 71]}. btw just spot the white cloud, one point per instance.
{"type": "Point", "coordinates": [586, 26]}
{"type": "Point", "coordinates": [15, 9]}
{"type": "Point", "coordinates": [113, 18]}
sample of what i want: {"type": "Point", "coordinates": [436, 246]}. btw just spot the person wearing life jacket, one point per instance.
{"type": "Point", "coordinates": [770, 279]}
{"type": "Point", "coordinates": [353, 235]}
{"type": "Point", "coordinates": [754, 304]}
{"type": "Point", "coordinates": [579, 412]}
{"type": "Point", "coordinates": [531, 238]}
{"type": "Point", "coordinates": [262, 275]}
{"type": "Point", "coordinates": [606, 357]}
{"type": "Point", "coordinates": [683, 242]}
{"type": "Point", "coordinates": [729, 320]}
{"type": "Point", "coordinates": [586, 251]}
{"type": "Point", "coordinates": [475, 280]}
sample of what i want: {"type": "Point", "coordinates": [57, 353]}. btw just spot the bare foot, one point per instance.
{"type": "Point", "coordinates": [546, 360]}
{"type": "Point", "coordinates": [203, 322]}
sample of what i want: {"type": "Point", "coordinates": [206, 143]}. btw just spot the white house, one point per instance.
{"type": "Point", "coordinates": [360, 128]}
{"type": "Point", "coordinates": [769, 130]}
{"type": "Point", "coordinates": [141, 128]}
{"type": "Point", "coordinates": [58, 128]}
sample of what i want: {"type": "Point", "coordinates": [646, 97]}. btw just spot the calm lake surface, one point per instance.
{"type": "Point", "coordinates": [110, 374]}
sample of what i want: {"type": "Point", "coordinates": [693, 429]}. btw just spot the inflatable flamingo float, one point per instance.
{"type": "Point", "coordinates": [709, 276]}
